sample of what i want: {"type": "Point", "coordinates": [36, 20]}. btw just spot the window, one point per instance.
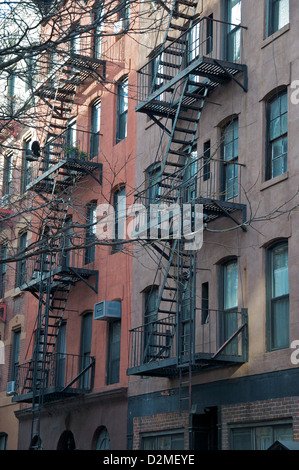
{"type": "Point", "coordinates": [206, 160]}
{"type": "Point", "coordinates": [277, 291]}
{"type": "Point", "coordinates": [26, 168]}
{"type": "Point", "coordinates": [260, 437]}
{"type": "Point", "coordinates": [228, 316]}
{"type": "Point", "coordinates": [209, 33]}
{"type": "Point", "coordinates": [194, 49]}
{"type": "Point", "coordinates": [157, 71]}
{"type": "Point", "coordinates": [3, 267]}
{"type": "Point", "coordinates": [21, 265]}
{"type": "Point", "coordinates": [205, 303]}
{"type": "Point", "coordinates": [277, 15]}
{"type": "Point", "coordinates": [153, 178]}
{"type": "Point", "coordinates": [170, 441]}
{"type": "Point", "coordinates": [75, 41]}
{"type": "Point", "coordinates": [277, 129]}
{"type": "Point", "coordinates": [113, 351]}
{"type": "Point", "coordinates": [61, 355]}
{"type": "Point", "coordinates": [122, 110]}
{"type": "Point", "coordinates": [15, 358]}
{"type": "Point", "coordinates": [119, 205]}
{"type": "Point", "coordinates": [97, 33]}
{"type": "Point", "coordinates": [3, 441]}
{"type": "Point", "coordinates": [70, 138]}
{"type": "Point", "coordinates": [233, 36]}
{"type": "Point", "coordinates": [11, 91]}
{"type": "Point", "coordinates": [187, 316]}
{"type": "Point", "coordinates": [124, 11]}
{"type": "Point", "coordinates": [95, 124]}
{"type": "Point", "coordinates": [7, 174]}
{"type": "Point", "coordinates": [150, 317]}
{"type": "Point", "coordinates": [86, 333]}
{"type": "Point", "coordinates": [103, 439]}
{"type": "Point", "coordinates": [229, 173]}
{"type": "Point", "coordinates": [91, 219]}
{"type": "Point", "coordinates": [189, 177]}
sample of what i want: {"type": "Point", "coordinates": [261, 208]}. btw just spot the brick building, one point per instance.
{"type": "Point", "coordinates": [211, 337]}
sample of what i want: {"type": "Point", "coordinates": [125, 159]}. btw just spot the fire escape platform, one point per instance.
{"type": "Point", "coordinates": [214, 72]}
{"type": "Point", "coordinates": [170, 368]}
{"type": "Point", "coordinates": [50, 394]}
{"type": "Point", "coordinates": [61, 274]}
{"type": "Point", "coordinates": [43, 182]}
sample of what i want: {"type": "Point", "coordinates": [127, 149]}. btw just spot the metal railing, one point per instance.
{"type": "Point", "coordinates": [64, 256]}
{"type": "Point", "coordinates": [70, 145]}
{"type": "Point", "coordinates": [207, 37]}
{"type": "Point", "coordinates": [218, 334]}
{"type": "Point", "coordinates": [153, 342]}
{"type": "Point", "coordinates": [63, 372]}
{"type": "Point", "coordinates": [211, 178]}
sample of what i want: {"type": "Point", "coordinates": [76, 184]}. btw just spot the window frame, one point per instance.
{"type": "Point", "coordinates": [252, 427]}
{"type": "Point", "coordinates": [122, 109]}
{"type": "Point", "coordinates": [120, 192]}
{"type": "Point", "coordinates": [26, 167]}
{"type": "Point", "coordinates": [112, 363]}
{"type": "Point", "coordinates": [95, 127]}
{"type": "Point", "coordinates": [3, 268]}
{"type": "Point", "coordinates": [271, 27]}
{"type": "Point", "coordinates": [269, 141]}
{"type": "Point", "coordinates": [21, 264]}
{"type": "Point", "coordinates": [7, 174]}
{"type": "Point", "coordinates": [228, 317]}
{"type": "Point", "coordinates": [270, 333]}
{"type": "Point", "coordinates": [90, 234]}
{"type": "Point", "coordinates": [224, 193]}
{"type": "Point", "coordinates": [159, 434]}
{"type": "Point", "coordinates": [15, 354]}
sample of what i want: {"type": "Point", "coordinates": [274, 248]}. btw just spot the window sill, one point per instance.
{"type": "Point", "coordinates": [273, 181]}
{"type": "Point", "coordinates": [275, 35]}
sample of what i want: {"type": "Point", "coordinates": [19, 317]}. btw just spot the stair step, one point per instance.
{"type": "Point", "coordinates": [175, 52]}
{"type": "Point", "coordinates": [187, 118]}
{"type": "Point", "coordinates": [177, 40]}
{"type": "Point", "coordinates": [165, 311]}
{"type": "Point", "coordinates": [185, 16]}
{"type": "Point", "coordinates": [180, 141]}
{"type": "Point", "coordinates": [168, 300]}
{"type": "Point", "coordinates": [170, 288]}
{"type": "Point", "coordinates": [164, 76]}
{"type": "Point", "coordinates": [178, 27]}
{"type": "Point", "coordinates": [178, 165]}
{"type": "Point", "coordinates": [193, 108]}
{"type": "Point", "coordinates": [188, 3]}
{"type": "Point", "coordinates": [188, 131]}
{"type": "Point", "coordinates": [168, 64]}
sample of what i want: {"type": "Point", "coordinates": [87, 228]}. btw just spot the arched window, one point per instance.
{"type": "Point", "coordinates": [66, 441]}
{"type": "Point", "coordinates": [230, 154]}
{"type": "Point", "coordinates": [277, 295]}
{"type": "Point", "coordinates": [102, 439]}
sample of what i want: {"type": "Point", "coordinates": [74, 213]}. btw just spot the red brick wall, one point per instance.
{"type": "Point", "coordinates": [162, 422]}
{"type": "Point", "coordinates": [273, 409]}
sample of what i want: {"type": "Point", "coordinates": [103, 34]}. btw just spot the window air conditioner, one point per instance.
{"type": "Point", "coordinates": [107, 310]}
{"type": "Point", "coordinates": [11, 388]}
{"type": "Point", "coordinates": [121, 25]}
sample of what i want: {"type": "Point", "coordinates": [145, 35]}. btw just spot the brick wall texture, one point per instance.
{"type": "Point", "coordinates": [258, 411]}
{"type": "Point", "coordinates": [162, 422]}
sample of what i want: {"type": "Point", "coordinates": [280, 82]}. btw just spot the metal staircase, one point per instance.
{"type": "Point", "coordinates": [175, 85]}
{"type": "Point", "coordinates": [52, 270]}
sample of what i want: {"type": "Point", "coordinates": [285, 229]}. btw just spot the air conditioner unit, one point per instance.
{"type": "Point", "coordinates": [107, 310]}
{"type": "Point", "coordinates": [11, 388]}
{"type": "Point", "coordinates": [3, 308]}
{"type": "Point", "coordinates": [121, 25]}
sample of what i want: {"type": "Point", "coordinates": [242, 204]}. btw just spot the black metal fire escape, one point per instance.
{"type": "Point", "coordinates": [51, 273]}
{"type": "Point", "coordinates": [173, 88]}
